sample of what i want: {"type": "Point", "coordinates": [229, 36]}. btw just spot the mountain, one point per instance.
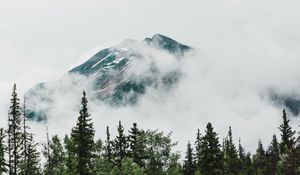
{"type": "Point", "coordinates": [122, 74]}
{"type": "Point", "coordinates": [118, 75]}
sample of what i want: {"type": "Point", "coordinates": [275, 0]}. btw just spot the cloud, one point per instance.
{"type": "Point", "coordinates": [245, 48]}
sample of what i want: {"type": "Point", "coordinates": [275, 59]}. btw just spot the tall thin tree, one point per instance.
{"type": "Point", "coordinates": [15, 133]}
{"type": "Point", "coordinates": [83, 135]}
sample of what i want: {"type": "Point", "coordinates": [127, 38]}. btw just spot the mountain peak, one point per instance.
{"type": "Point", "coordinates": [164, 42]}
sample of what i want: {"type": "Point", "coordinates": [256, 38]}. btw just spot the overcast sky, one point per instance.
{"type": "Point", "coordinates": [244, 44]}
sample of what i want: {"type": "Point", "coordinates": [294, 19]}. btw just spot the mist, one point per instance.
{"type": "Point", "coordinates": [243, 49]}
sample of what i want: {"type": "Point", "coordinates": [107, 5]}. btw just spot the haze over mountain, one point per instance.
{"type": "Point", "coordinates": [117, 75]}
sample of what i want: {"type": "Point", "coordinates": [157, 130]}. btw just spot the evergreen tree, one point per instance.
{"type": "Point", "coordinates": [248, 165]}
{"type": "Point", "coordinates": [189, 164]}
{"type": "Point", "coordinates": [3, 165]}
{"type": "Point", "coordinates": [15, 134]}
{"type": "Point", "coordinates": [55, 157]}
{"type": "Point", "coordinates": [70, 159]}
{"type": "Point", "coordinates": [245, 160]}
{"type": "Point", "coordinates": [32, 160]}
{"type": "Point", "coordinates": [136, 145]}
{"type": "Point", "coordinates": [273, 156]}
{"type": "Point", "coordinates": [259, 160]}
{"type": "Point", "coordinates": [83, 135]}
{"type": "Point", "coordinates": [108, 147]}
{"type": "Point", "coordinates": [287, 135]}
{"type": "Point", "coordinates": [26, 137]}
{"type": "Point", "coordinates": [232, 164]}
{"type": "Point", "coordinates": [287, 147]}
{"type": "Point", "coordinates": [211, 159]}
{"type": "Point", "coordinates": [198, 155]}
{"type": "Point", "coordinates": [120, 146]}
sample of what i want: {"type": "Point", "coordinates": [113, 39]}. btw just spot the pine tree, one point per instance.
{"type": "Point", "coordinates": [273, 156]}
{"type": "Point", "coordinates": [120, 146]}
{"type": "Point", "coordinates": [260, 160]}
{"type": "Point", "coordinates": [83, 135]}
{"type": "Point", "coordinates": [245, 160]}
{"type": "Point", "coordinates": [189, 164]}
{"type": "Point", "coordinates": [287, 146]}
{"type": "Point", "coordinates": [25, 139]}
{"type": "Point", "coordinates": [33, 161]}
{"type": "Point", "coordinates": [211, 160]}
{"type": "Point", "coordinates": [232, 165]}
{"type": "Point", "coordinates": [15, 134]}
{"type": "Point", "coordinates": [287, 135]}
{"type": "Point", "coordinates": [48, 169]}
{"type": "Point", "coordinates": [108, 147]}
{"type": "Point", "coordinates": [248, 165]}
{"type": "Point", "coordinates": [198, 155]}
{"type": "Point", "coordinates": [55, 157]}
{"type": "Point", "coordinates": [70, 158]}
{"type": "Point", "coordinates": [3, 165]}
{"type": "Point", "coordinates": [136, 146]}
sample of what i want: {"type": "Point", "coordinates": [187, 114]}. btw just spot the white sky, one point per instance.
{"type": "Point", "coordinates": [253, 43]}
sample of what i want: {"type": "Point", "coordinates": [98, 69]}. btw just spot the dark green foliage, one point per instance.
{"type": "Point", "coordinates": [245, 160]}
{"type": "Point", "coordinates": [140, 152]}
{"type": "Point", "coordinates": [287, 134]}
{"type": "Point", "coordinates": [232, 164]}
{"type": "Point", "coordinates": [83, 135]}
{"type": "Point", "coordinates": [55, 157]}
{"type": "Point", "coordinates": [32, 160]}
{"type": "Point", "coordinates": [288, 155]}
{"type": "Point", "coordinates": [189, 164]}
{"type": "Point", "coordinates": [71, 161]}
{"type": "Point", "coordinates": [136, 146]}
{"type": "Point", "coordinates": [198, 155]}
{"type": "Point", "coordinates": [15, 134]}
{"type": "Point", "coordinates": [211, 156]}
{"type": "Point", "coordinates": [273, 156]}
{"type": "Point", "coordinates": [120, 146]}
{"type": "Point", "coordinates": [108, 147]}
{"type": "Point", "coordinates": [3, 165]}
{"type": "Point", "coordinates": [260, 160]}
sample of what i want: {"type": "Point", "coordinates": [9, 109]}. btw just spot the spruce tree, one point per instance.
{"type": "Point", "coordinates": [108, 146]}
{"type": "Point", "coordinates": [232, 164]}
{"type": "Point", "coordinates": [245, 160]}
{"type": "Point", "coordinates": [83, 135]}
{"type": "Point", "coordinates": [189, 164]}
{"type": "Point", "coordinates": [248, 165]}
{"type": "Point", "coordinates": [55, 157]}
{"type": "Point", "coordinates": [136, 145]}
{"type": "Point", "coordinates": [26, 137]}
{"type": "Point", "coordinates": [260, 160]}
{"type": "Point", "coordinates": [273, 156]}
{"type": "Point", "coordinates": [198, 155]}
{"type": "Point", "coordinates": [15, 134]}
{"type": "Point", "coordinates": [287, 147]}
{"type": "Point", "coordinates": [287, 135]}
{"type": "Point", "coordinates": [32, 160]}
{"type": "Point", "coordinates": [211, 160]}
{"type": "Point", "coordinates": [70, 159]}
{"type": "Point", "coordinates": [120, 146]}
{"type": "Point", "coordinates": [3, 165]}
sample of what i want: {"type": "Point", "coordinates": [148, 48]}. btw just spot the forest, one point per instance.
{"type": "Point", "coordinates": [140, 152]}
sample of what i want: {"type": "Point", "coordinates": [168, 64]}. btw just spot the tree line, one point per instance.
{"type": "Point", "coordinates": [140, 152]}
